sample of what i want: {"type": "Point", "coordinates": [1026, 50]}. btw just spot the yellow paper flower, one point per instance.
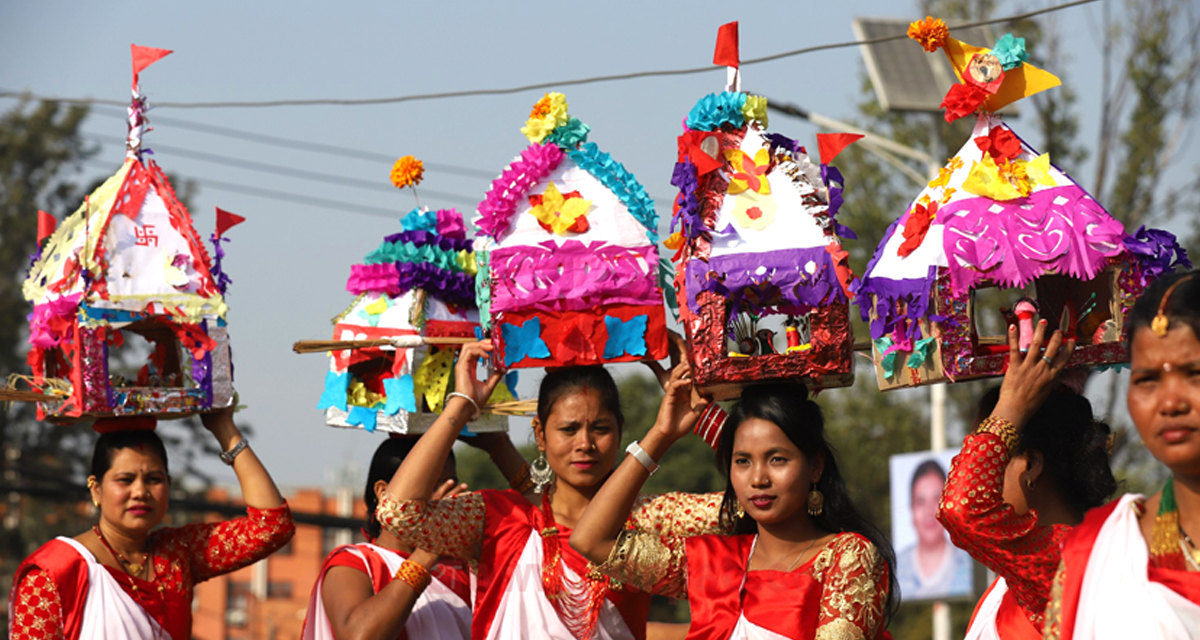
{"type": "Point", "coordinates": [754, 212]}
{"type": "Point", "coordinates": [408, 171]}
{"type": "Point", "coordinates": [548, 114]}
{"type": "Point", "coordinates": [1038, 170]}
{"type": "Point", "coordinates": [755, 109]}
{"type": "Point", "coordinates": [930, 32]}
{"type": "Point", "coordinates": [942, 179]}
{"type": "Point", "coordinates": [558, 212]}
{"type": "Point", "coordinates": [748, 173]}
{"type": "Point", "coordinates": [947, 194]}
{"type": "Point", "coordinates": [998, 182]}
{"type": "Point", "coordinates": [674, 241]}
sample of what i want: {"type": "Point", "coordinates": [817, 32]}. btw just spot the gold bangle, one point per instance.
{"type": "Point", "coordinates": [414, 575]}
{"type": "Point", "coordinates": [522, 482]}
{"type": "Point", "coordinates": [1002, 429]}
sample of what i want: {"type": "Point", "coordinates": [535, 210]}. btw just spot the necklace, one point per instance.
{"type": "Point", "coordinates": [577, 602]}
{"type": "Point", "coordinates": [1169, 543]}
{"type": "Point", "coordinates": [795, 562]}
{"type": "Point", "coordinates": [135, 569]}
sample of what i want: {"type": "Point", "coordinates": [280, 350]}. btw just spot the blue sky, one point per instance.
{"type": "Point", "coordinates": [290, 261]}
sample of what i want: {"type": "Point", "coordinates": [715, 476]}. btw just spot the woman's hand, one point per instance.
{"type": "Point", "coordinates": [1031, 376]}
{"type": "Point", "coordinates": [681, 406]}
{"type": "Point", "coordinates": [466, 380]}
{"type": "Point", "coordinates": [676, 350]}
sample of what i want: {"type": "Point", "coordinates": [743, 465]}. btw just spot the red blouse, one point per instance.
{"type": "Point", "coordinates": [183, 557]}
{"type": "Point", "coordinates": [978, 520]}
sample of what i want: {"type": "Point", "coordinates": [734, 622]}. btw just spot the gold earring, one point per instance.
{"type": "Point", "coordinates": [91, 484]}
{"type": "Point", "coordinates": [1029, 484]}
{"type": "Point", "coordinates": [738, 511]}
{"type": "Point", "coordinates": [816, 502]}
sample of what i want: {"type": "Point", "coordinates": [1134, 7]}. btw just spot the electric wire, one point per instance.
{"type": "Point", "coordinates": [535, 86]}
{"type": "Point", "coordinates": [291, 143]}
{"type": "Point", "coordinates": [272, 194]}
{"type": "Point", "coordinates": [342, 181]}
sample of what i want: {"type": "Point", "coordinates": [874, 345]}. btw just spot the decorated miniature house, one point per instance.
{"type": "Point", "coordinates": [418, 283]}
{"type": "Point", "coordinates": [760, 272]}
{"type": "Point", "coordinates": [567, 248]}
{"type": "Point", "coordinates": [124, 276]}
{"type": "Point", "coordinates": [1000, 222]}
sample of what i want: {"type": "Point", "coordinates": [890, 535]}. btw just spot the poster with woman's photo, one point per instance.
{"type": "Point", "coordinates": [928, 567]}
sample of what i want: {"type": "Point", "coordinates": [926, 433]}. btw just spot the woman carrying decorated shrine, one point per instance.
{"type": "Point", "coordinates": [1036, 462]}
{"type": "Point", "coordinates": [531, 584]}
{"type": "Point", "coordinates": [126, 580]}
{"type": "Point", "coordinates": [1131, 569]}
{"type": "Point", "coordinates": [802, 563]}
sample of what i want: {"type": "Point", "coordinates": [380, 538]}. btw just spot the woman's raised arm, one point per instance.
{"type": "Point", "coordinates": [418, 474]}
{"type": "Point", "coordinates": [602, 521]}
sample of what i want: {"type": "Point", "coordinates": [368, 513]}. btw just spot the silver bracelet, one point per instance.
{"type": "Point", "coordinates": [228, 456]}
{"type": "Point", "coordinates": [634, 449]}
{"type": "Point", "coordinates": [455, 394]}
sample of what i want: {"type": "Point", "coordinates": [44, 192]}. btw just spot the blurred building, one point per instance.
{"type": "Point", "coordinates": [268, 600]}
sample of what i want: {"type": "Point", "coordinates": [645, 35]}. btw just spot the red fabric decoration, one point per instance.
{"type": "Point", "coordinates": [125, 423]}
{"type": "Point", "coordinates": [1000, 143]}
{"type": "Point", "coordinates": [144, 57]}
{"type": "Point", "coordinates": [962, 100]}
{"type": "Point", "coordinates": [46, 225]}
{"type": "Point", "coordinates": [916, 227]}
{"type": "Point", "coordinates": [829, 145]}
{"type": "Point", "coordinates": [227, 221]}
{"type": "Point", "coordinates": [726, 53]}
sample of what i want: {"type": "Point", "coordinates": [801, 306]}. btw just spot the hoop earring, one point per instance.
{"type": "Point", "coordinates": [816, 502]}
{"type": "Point", "coordinates": [540, 472]}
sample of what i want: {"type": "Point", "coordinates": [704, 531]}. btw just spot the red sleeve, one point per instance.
{"type": "Point", "coordinates": [217, 548]}
{"type": "Point", "coordinates": [346, 559]}
{"type": "Point", "coordinates": [980, 522]}
{"type": "Point", "coordinates": [36, 609]}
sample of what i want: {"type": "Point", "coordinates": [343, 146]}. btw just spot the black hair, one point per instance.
{"type": "Point", "coordinates": [787, 406]}
{"type": "Point", "coordinates": [561, 382]}
{"type": "Point", "coordinates": [109, 443]}
{"type": "Point", "coordinates": [925, 468]}
{"type": "Point", "coordinates": [384, 463]}
{"type": "Point", "coordinates": [1073, 444]}
{"type": "Point", "coordinates": [1182, 306]}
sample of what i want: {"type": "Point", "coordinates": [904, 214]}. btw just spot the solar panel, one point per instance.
{"type": "Point", "coordinates": [905, 77]}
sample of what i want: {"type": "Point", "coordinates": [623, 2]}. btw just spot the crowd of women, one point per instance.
{"type": "Point", "coordinates": [575, 550]}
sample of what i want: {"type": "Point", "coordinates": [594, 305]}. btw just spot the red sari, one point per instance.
{"type": "Point", "coordinates": [505, 537]}
{"type": "Point", "coordinates": [841, 593]}
{"type": "Point", "coordinates": [1072, 582]}
{"type": "Point", "coordinates": [1013, 545]}
{"type": "Point", "coordinates": [51, 587]}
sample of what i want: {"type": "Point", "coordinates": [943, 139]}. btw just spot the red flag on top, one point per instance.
{"type": "Point", "coordinates": [227, 220]}
{"type": "Point", "coordinates": [726, 54]}
{"type": "Point", "coordinates": [144, 57]}
{"type": "Point", "coordinates": [46, 225]}
{"type": "Point", "coordinates": [829, 145]}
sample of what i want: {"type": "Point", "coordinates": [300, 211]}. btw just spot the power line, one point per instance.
{"type": "Point", "coordinates": [285, 196]}
{"type": "Point", "coordinates": [539, 85]}
{"type": "Point", "coordinates": [301, 145]}
{"type": "Point", "coordinates": [290, 172]}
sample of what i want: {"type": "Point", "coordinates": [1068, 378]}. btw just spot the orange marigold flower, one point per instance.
{"type": "Point", "coordinates": [541, 108]}
{"type": "Point", "coordinates": [930, 32]}
{"type": "Point", "coordinates": [408, 171]}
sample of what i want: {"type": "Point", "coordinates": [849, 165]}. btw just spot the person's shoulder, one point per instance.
{"type": "Point", "coordinates": [848, 541]}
